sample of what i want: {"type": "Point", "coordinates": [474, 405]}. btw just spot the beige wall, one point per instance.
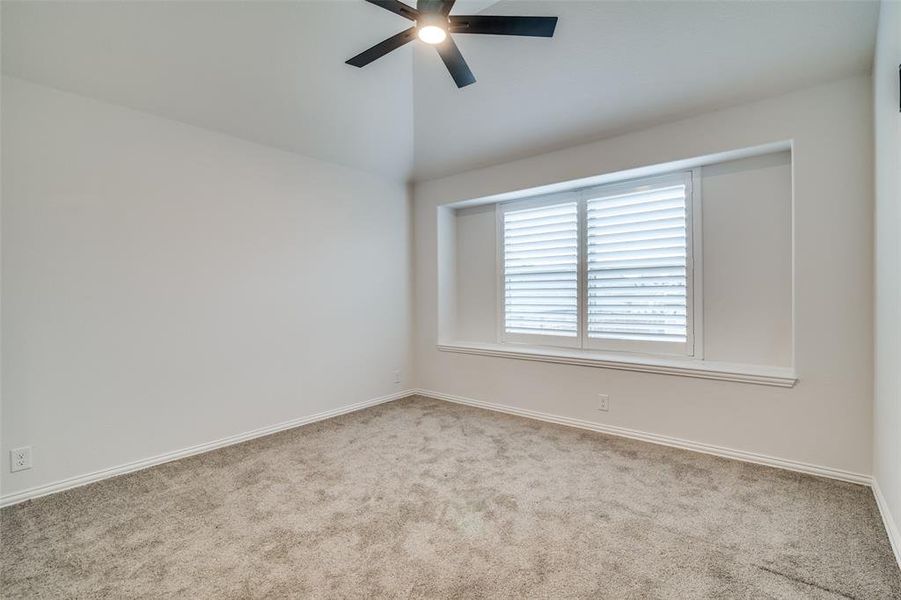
{"type": "Point", "coordinates": [477, 276]}
{"type": "Point", "coordinates": [826, 419]}
{"type": "Point", "coordinates": [166, 286]}
{"type": "Point", "coordinates": [747, 229]}
{"type": "Point", "coordinates": [887, 410]}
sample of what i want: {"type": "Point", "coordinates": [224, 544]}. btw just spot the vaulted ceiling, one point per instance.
{"type": "Point", "coordinates": [613, 66]}
{"type": "Point", "coordinates": [274, 72]}
{"type": "Point", "coordinates": [270, 72]}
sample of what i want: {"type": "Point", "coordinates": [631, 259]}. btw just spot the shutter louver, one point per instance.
{"type": "Point", "coordinates": [540, 270]}
{"type": "Point", "coordinates": [637, 260]}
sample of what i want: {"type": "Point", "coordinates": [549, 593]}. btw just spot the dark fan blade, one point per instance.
{"type": "Point", "coordinates": [382, 48]}
{"type": "Point", "coordinates": [397, 7]}
{"type": "Point", "coordinates": [446, 6]}
{"type": "Point", "coordinates": [435, 6]}
{"type": "Point", "coordinates": [532, 26]}
{"type": "Point", "coordinates": [455, 63]}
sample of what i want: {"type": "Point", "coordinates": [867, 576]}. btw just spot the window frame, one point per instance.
{"type": "Point", "coordinates": [501, 209]}
{"type": "Point", "coordinates": [692, 348]}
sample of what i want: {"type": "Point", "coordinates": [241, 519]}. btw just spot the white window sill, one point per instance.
{"type": "Point", "coordinates": [683, 367]}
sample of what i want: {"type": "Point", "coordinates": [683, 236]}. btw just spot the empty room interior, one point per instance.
{"type": "Point", "coordinates": [432, 299]}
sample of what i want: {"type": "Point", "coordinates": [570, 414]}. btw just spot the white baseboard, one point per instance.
{"type": "Point", "coordinates": [752, 457]}
{"type": "Point", "coordinates": [891, 528]}
{"type": "Point", "coordinates": [742, 455]}
{"type": "Point", "coordinates": [80, 480]}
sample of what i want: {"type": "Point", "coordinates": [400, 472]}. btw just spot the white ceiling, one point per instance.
{"type": "Point", "coordinates": [273, 72]}
{"type": "Point", "coordinates": [613, 66]}
{"type": "Point", "coordinates": [270, 72]}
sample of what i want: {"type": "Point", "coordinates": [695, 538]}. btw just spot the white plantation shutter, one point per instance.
{"type": "Point", "coordinates": [540, 271]}
{"type": "Point", "coordinates": [637, 262]}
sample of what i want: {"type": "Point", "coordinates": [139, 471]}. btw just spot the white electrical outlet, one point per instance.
{"type": "Point", "coordinates": [603, 402]}
{"type": "Point", "coordinates": [20, 459]}
{"type": "Point", "coordinates": [397, 376]}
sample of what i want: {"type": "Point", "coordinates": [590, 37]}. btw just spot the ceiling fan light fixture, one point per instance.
{"type": "Point", "coordinates": [432, 28]}
{"type": "Point", "coordinates": [432, 34]}
{"type": "Point", "coordinates": [433, 24]}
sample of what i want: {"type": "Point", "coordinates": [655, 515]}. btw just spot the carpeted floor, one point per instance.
{"type": "Point", "coordinates": [420, 498]}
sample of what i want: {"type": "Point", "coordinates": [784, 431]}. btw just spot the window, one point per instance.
{"type": "Point", "coordinates": [540, 254]}
{"type": "Point", "coordinates": [602, 268]}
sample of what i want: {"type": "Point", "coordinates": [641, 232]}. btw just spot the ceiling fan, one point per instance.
{"type": "Point", "coordinates": [434, 24]}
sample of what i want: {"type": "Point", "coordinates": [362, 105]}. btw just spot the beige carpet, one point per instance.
{"type": "Point", "coordinates": [423, 499]}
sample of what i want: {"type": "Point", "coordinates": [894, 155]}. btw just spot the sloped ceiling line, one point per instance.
{"type": "Point", "coordinates": [274, 72]}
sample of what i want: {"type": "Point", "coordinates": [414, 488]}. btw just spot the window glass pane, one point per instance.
{"type": "Point", "coordinates": [540, 270]}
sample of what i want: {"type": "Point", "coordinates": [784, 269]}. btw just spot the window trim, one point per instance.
{"type": "Point", "coordinates": [785, 377]}
{"type": "Point", "coordinates": [692, 349]}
